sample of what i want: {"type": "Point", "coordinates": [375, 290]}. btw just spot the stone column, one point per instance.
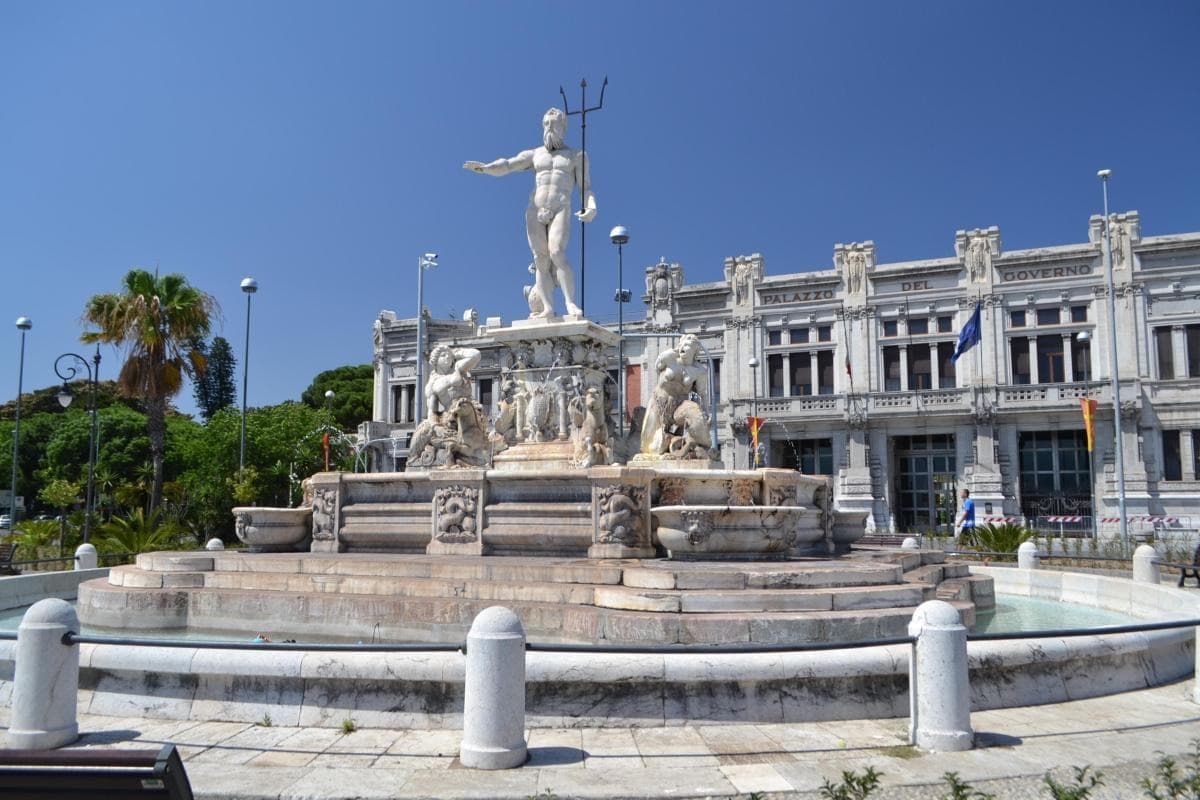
{"type": "Point", "coordinates": [1187, 455]}
{"type": "Point", "coordinates": [1179, 351]}
{"type": "Point", "coordinates": [1035, 373]}
{"type": "Point", "coordinates": [402, 414]}
{"type": "Point", "coordinates": [813, 373]}
{"type": "Point", "coordinates": [935, 370]}
{"type": "Point", "coordinates": [620, 512]}
{"type": "Point", "coordinates": [45, 679]}
{"type": "Point", "coordinates": [942, 718]}
{"type": "Point", "coordinates": [904, 368]}
{"type": "Point", "coordinates": [459, 498]}
{"type": "Point", "coordinates": [1068, 359]}
{"type": "Point", "coordinates": [327, 512]}
{"type": "Point", "coordinates": [494, 692]}
{"type": "Point", "coordinates": [787, 373]}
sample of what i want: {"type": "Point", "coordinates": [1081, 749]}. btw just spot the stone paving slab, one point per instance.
{"type": "Point", "coordinates": [1122, 736]}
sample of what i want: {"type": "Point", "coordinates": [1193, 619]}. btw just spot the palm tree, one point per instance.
{"type": "Point", "coordinates": [156, 320]}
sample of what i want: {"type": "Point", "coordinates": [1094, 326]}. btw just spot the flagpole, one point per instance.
{"type": "Point", "coordinates": [979, 304]}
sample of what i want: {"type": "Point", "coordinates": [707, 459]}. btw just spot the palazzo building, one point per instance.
{"type": "Point", "coordinates": [852, 368]}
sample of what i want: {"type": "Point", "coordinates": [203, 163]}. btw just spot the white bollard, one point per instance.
{"type": "Point", "coordinates": [494, 692]}
{"type": "Point", "coordinates": [909, 543]}
{"type": "Point", "coordinates": [943, 707]}
{"type": "Point", "coordinates": [46, 679]}
{"type": "Point", "coordinates": [1145, 564]}
{"type": "Point", "coordinates": [1027, 556]}
{"type": "Point", "coordinates": [214, 544]}
{"type": "Point", "coordinates": [85, 557]}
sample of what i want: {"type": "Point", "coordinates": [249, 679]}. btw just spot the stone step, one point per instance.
{"type": "Point", "coordinates": [351, 617]}
{"type": "Point", "coordinates": [748, 600]}
{"type": "Point", "coordinates": [772, 575]}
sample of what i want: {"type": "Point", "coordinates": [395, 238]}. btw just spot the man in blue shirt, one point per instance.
{"type": "Point", "coordinates": [966, 522]}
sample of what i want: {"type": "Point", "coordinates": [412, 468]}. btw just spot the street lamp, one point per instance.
{"type": "Point", "coordinates": [23, 324]}
{"type": "Point", "coordinates": [329, 395]}
{"type": "Point", "coordinates": [249, 286]}
{"type": "Point", "coordinates": [753, 364]}
{"type": "Point", "coordinates": [64, 399]}
{"type": "Point", "coordinates": [1104, 175]}
{"type": "Point", "coordinates": [426, 261]}
{"type": "Point", "coordinates": [620, 237]}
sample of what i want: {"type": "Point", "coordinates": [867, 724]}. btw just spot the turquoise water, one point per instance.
{"type": "Point", "coordinates": [1012, 614]}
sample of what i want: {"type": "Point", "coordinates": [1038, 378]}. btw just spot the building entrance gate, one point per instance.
{"type": "Point", "coordinates": [925, 481]}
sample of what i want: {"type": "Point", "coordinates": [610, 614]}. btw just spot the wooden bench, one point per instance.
{"type": "Point", "coordinates": [7, 551]}
{"type": "Point", "coordinates": [108, 774]}
{"type": "Point", "coordinates": [1192, 571]}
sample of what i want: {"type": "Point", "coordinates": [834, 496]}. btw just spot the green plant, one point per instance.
{"type": "Point", "coordinates": [1080, 789]}
{"type": "Point", "coordinates": [1169, 783]}
{"type": "Point", "coordinates": [265, 722]}
{"type": "Point", "coordinates": [245, 485]}
{"type": "Point", "coordinates": [852, 786]}
{"type": "Point", "coordinates": [961, 790]}
{"type": "Point", "coordinates": [548, 794]}
{"type": "Point", "coordinates": [348, 726]}
{"type": "Point", "coordinates": [137, 533]}
{"type": "Point", "coordinates": [1003, 537]}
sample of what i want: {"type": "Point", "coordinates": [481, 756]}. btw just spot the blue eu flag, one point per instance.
{"type": "Point", "coordinates": [970, 335]}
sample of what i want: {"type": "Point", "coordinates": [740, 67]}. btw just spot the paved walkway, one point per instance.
{"type": "Point", "coordinates": [1123, 736]}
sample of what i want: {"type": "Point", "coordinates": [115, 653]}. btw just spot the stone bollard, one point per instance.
{"type": "Point", "coordinates": [214, 544]}
{"type": "Point", "coordinates": [909, 543]}
{"type": "Point", "coordinates": [46, 679]}
{"type": "Point", "coordinates": [943, 708]}
{"type": "Point", "coordinates": [85, 557]}
{"type": "Point", "coordinates": [1145, 564]}
{"type": "Point", "coordinates": [1027, 556]}
{"type": "Point", "coordinates": [494, 692]}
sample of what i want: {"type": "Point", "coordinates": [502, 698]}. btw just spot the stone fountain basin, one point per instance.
{"type": "Point", "coordinates": [735, 532]}
{"type": "Point", "coordinates": [273, 530]}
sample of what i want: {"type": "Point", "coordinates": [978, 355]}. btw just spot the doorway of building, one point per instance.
{"type": "Point", "coordinates": [925, 472]}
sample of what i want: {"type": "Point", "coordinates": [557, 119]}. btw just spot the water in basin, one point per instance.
{"type": "Point", "coordinates": [1013, 613]}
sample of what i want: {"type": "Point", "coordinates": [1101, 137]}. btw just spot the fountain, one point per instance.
{"type": "Point", "coordinates": [530, 510]}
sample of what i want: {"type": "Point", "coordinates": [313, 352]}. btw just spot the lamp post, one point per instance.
{"type": "Point", "coordinates": [620, 237]}
{"type": "Point", "coordinates": [1104, 175]}
{"type": "Point", "coordinates": [64, 399]}
{"type": "Point", "coordinates": [426, 261]}
{"type": "Point", "coordinates": [249, 286]}
{"type": "Point", "coordinates": [23, 324]}
{"type": "Point", "coordinates": [329, 395]}
{"type": "Point", "coordinates": [753, 364]}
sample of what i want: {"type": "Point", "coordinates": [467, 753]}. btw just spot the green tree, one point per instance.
{"type": "Point", "coordinates": [352, 386]}
{"type": "Point", "coordinates": [61, 494]}
{"type": "Point", "coordinates": [156, 320]}
{"type": "Point", "coordinates": [216, 389]}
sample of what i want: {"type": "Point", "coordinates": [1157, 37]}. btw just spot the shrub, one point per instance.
{"type": "Point", "coordinates": [852, 785]}
{"type": "Point", "coordinates": [1003, 537]}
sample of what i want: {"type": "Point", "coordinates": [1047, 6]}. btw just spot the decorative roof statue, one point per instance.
{"type": "Point", "coordinates": [557, 170]}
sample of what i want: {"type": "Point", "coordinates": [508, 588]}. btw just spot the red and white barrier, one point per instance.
{"type": "Point", "coordinates": [1140, 518]}
{"type": "Point", "coordinates": [1001, 519]}
{"type": "Point", "coordinates": [1063, 519]}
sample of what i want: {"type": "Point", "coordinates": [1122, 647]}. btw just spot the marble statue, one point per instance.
{"type": "Point", "coordinates": [675, 426]}
{"type": "Point", "coordinates": [455, 431]}
{"type": "Point", "coordinates": [590, 425]}
{"type": "Point", "coordinates": [557, 170]}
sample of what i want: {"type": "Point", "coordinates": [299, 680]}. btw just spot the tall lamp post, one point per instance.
{"type": "Point", "coordinates": [753, 364]}
{"type": "Point", "coordinates": [1104, 175]}
{"type": "Point", "coordinates": [23, 325]}
{"type": "Point", "coordinates": [620, 237]}
{"type": "Point", "coordinates": [64, 399]}
{"type": "Point", "coordinates": [249, 286]}
{"type": "Point", "coordinates": [426, 261]}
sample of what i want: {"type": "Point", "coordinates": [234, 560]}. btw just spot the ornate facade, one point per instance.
{"type": "Point", "coordinates": [852, 368]}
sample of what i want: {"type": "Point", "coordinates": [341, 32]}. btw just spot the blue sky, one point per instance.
{"type": "Point", "coordinates": [318, 147]}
